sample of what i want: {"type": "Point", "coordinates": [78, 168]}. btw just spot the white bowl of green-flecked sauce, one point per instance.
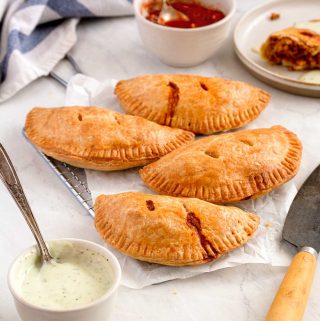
{"type": "Point", "coordinates": [80, 285]}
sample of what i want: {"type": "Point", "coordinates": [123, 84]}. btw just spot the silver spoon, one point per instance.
{"type": "Point", "coordinates": [168, 13]}
{"type": "Point", "coordinates": [10, 179]}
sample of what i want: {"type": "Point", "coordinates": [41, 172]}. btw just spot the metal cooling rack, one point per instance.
{"type": "Point", "coordinates": [73, 178]}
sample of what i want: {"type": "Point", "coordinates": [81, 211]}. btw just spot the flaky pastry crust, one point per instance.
{"type": "Point", "coordinates": [169, 230]}
{"type": "Point", "coordinates": [199, 104]}
{"type": "Point", "coordinates": [229, 167]}
{"type": "Point", "coordinates": [101, 139]}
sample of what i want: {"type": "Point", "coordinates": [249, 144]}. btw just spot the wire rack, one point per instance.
{"type": "Point", "coordinates": [73, 178]}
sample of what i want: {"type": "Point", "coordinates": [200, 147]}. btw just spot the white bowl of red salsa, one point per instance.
{"type": "Point", "coordinates": [185, 43]}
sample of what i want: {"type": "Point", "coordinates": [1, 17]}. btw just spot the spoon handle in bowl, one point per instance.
{"type": "Point", "coordinates": [10, 179]}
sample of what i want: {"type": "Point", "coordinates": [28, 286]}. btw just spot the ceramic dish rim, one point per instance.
{"type": "Point", "coordinates": [228, 16]}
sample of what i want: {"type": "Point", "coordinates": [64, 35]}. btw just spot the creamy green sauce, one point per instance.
{"type": "Point", "coordinates": [78, 277]}
{"type": "Point", "coordinates": [311, 77]}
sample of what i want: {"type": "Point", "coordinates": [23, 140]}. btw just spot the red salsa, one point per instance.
{"type": "Point", "coordinates": [199, 16]}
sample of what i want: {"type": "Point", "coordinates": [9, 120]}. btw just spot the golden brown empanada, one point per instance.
{"type": "Point", "coordinates": [169, 230]}
{"type": "Point", "coordinates": [200, 104]}
{"type": "Point", "coordinates": [297, 49]}
{"type": "Point", "coordinates": [99, 138]}
{"type": "Point", "coordinates": [229, 167]}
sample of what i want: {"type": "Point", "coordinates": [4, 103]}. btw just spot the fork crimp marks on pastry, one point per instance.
{"type": "Point", "coordinates": [229, 167]}
{"type": "Point", "coordinates": [177, 231]}
{"type": "Point", "coordinates": [101, 139]}
{"type": "Point", "coordinates": [203, 105]}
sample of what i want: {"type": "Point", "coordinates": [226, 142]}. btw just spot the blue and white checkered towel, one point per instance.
{"type": "Point", "coordinates": [37, 34]}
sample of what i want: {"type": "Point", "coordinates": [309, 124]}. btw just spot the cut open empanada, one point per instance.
{"type": "Point", "coordinates": [295, 48]}
{"type": "Point", "coordinates": [101, 139]}
{"type": "Point", "coordinates": [170, 230]}
{"type": "Point", "coordinates": [229, 167]}
{"type": "Point", "coordinates": [203, 105]}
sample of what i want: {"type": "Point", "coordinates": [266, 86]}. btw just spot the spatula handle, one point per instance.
{"type": "Point", "coordinates": [292, 297]}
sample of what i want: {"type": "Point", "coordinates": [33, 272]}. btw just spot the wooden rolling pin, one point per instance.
{"type": "Point", "coordinates": [292, 297]}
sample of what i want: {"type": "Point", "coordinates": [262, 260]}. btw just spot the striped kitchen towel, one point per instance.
{"type": "Point", "coordinates": [37, 34]}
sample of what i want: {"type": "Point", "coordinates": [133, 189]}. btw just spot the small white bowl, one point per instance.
{"type": "Point", "coordinates": [98, 310]}
{"type": "Point", "coordinates": [185, 47]}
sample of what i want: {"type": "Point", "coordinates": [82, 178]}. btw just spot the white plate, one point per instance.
{"type": "Point", "coordinates": [255, 27]}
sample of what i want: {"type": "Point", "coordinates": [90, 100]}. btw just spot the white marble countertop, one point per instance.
{"type": "Point", "coordinates": [112, 48]}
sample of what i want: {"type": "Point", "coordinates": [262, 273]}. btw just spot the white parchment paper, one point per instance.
{"type": "Point", "coordinates": [265, 247]}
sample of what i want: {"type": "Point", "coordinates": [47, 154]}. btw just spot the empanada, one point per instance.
{"type": "Point", "coordinates": [228, 167]}
{"type": "Point", "coordinates": [170, 230]}
{"type": "Point", "coordinates": [295, 48]}
{"type": "Point", "coordinates": [99, 138]}
{"type": "Point", "coordinates": [199, 104]}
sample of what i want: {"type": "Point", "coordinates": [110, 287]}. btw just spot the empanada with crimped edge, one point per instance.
{"type": "Point", "coordinates": [203, 105]}
{"type": "Point", "coordinates": [170, 230]}
{"type": "Point", "coordinates": [228, 167]}
{"type": "Point", "coordinates": [101, 139]}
